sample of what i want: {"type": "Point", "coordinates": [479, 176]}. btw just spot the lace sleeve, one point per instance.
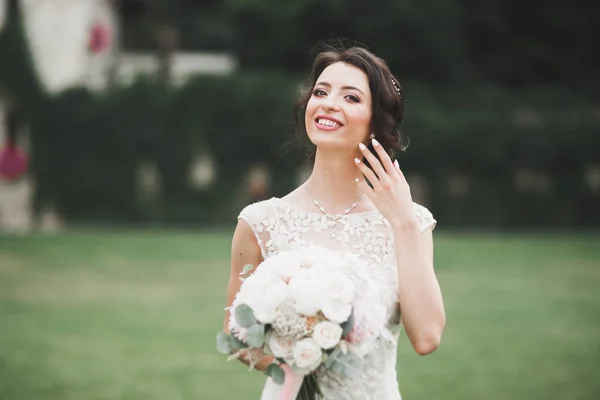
{"type": "Point", "coordinates": [261, 221]}
{"type": "Point", "coordinates": [425, 218]}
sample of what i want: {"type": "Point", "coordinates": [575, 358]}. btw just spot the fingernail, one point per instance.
{"type": "Point", "coordinates": [396, 164]}
{"type": "Point", "coordinates": [362, 146]}
{"type": "Point", "coordinates": [356, 180]}
{"type": "Point", "coordinates": [375, 142]}
{"type": "Point", "coordinates": [356, 160]}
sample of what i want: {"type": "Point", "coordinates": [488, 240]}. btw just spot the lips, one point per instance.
{"type": "Point", "coordinates": [327, 123]}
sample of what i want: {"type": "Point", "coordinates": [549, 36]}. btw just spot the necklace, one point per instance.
{"type": "Point", "coordinates": [334, 217]}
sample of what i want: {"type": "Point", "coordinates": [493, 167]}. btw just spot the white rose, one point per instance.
{"type": "Point", "coordinates": [307, 354]}
{"type": "Point", "coordinates": [327, 334]}
{"type": "Point", "coordinates": [338, 287]}
{"type": "Point", "coordinates": [337, 311]}
{"type": "Point", "coordinates": [281, 346]}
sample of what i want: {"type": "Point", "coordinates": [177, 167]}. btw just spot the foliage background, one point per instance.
{"type": "Point", "coordinates": [501, 109]}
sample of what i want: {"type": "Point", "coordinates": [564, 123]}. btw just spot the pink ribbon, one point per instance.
{"type": "Point", "coordinates": [291, 384]}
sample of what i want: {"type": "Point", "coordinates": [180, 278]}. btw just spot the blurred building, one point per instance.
{"type": "Point", "coordinates": [75, 43]}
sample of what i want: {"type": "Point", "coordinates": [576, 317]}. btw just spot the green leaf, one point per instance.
{"type": "Point", "coordinates": [236, 343]}
{"type": "Point", "coordinates": [348, 365]}
{"type": "Point", "coordinates": [247, 268]}
{"type": "Point", "coordinates": [396, 328]}
{"type": "Point", "coordinates": [223, 343]}
{"type": "Point", "coordinates": [347, 326]}
{"type": "Point", "coordinates": [331, 358]}
{"type": "Point", "coordinates": [276, 373]}
{"type": "Point", "coordinates": [244, 316]}
{"type": "Point", "coordinates": [255, 336]}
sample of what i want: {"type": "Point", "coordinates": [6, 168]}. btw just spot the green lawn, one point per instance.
{"type": "Point", "coordinates": [133, 315]}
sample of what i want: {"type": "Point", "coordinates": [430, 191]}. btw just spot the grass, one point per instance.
{"type": "Point", "coordinates": [133, 315]}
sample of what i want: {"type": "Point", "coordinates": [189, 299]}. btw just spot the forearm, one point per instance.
{"type": "Point", "coordinates": [419, 293]}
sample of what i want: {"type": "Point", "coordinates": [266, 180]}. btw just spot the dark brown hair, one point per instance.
{"type": "Point", "coordinates": [386, 92]}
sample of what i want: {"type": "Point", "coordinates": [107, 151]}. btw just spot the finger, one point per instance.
{"type": "Point", "coordinates": [397, 167]}
{"type": "Point", "coordinates": [367, 172]}
{"type": "Point", "coordinates": [368, 190]}
{"type": "Point", "coordinates": [373, 161]}
{"type": "Point", "coordinates": [383, 156]}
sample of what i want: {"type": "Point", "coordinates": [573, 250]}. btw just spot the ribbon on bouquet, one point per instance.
{"type": "Point", "coordinates": [291, 384]}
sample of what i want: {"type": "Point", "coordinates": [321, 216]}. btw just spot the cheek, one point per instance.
{"type": "Point", "coordinates": [311, 108]}
{"type": "Point", "coordinates": [360, 118]}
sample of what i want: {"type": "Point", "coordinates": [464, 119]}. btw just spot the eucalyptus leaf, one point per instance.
{"type": "Point", "coordinates": [255, 335]}
{"type": "Point", "coordinates": [348, 325]}
{"type": "Point", "coordinates": [223, 343]}
{"type": "Point", "coordinates": [348, 365]}
{"type": "Point", "coordinates": [244, 316]}
{"type": "Point", "coordinates": [332, 357]}
{"type": "Point", "coordinates": [397, 328]}
{"type": "Point", "coordinates": [236, 343]}
{"type": "Point", "coordinates": [247, 268]}
{"type": "Point", "coordinates": [276, 373]}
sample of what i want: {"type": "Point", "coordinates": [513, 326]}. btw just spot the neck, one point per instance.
{"type": "Point", "coordinates": [332, 181]}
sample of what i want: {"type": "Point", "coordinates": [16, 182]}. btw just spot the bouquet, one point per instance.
{"type": "Point", "coordinates": [310, 308]}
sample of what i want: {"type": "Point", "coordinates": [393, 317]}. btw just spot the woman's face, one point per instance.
{"type": "Point", "coordinates": [338, 114]}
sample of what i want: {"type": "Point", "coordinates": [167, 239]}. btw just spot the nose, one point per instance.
{"type": "Point", "coordinates": [329, 104]}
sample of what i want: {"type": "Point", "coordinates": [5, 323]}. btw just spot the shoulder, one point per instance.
{"type": "Point", "coordinates": [256, 223]}
{"type": "Point", "coordinates": [425, 217]}
{"type": "Point", "coordinates": [258, 212]}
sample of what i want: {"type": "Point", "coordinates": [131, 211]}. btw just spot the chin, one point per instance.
{"type": "Point", "coordinates": [324, 139]}
{"type": "Point", "coordinates": [333, 140]}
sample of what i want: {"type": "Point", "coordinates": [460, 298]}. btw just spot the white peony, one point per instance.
{"type": "Point", "coordinates": [307, 354]}
{"type": "Point", "coordinates": [264, 292]}
{"type": "Point", "coordinates": [327, 334]}
{"type": "Point", "coordinates": [337, 311]}
{"type": "Point", "coordinates": [280, 346]}
{"type": "Point", "coordinates": [337, 286]}
{"type": "Point", "coordinates": [287, 265]}
{"type": "Point", "coordinates": [304, 292]}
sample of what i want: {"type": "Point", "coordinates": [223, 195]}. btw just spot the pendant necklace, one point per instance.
{"type": "Point", "coordinates": [334, 217]}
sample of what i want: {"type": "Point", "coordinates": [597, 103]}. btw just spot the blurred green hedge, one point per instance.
{"type": "Point", "coordinates": [88, 147]}
{"type": "Point", "coordinates": [480, 158]}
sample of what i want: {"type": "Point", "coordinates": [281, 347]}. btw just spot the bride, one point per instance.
{"type": "Point", "coordinates": [356, 199]}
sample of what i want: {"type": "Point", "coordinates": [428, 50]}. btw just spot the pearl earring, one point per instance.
{"type": "Point", "coordinates": [372, 136]}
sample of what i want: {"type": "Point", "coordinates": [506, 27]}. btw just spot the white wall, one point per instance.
{"type": "Point", "coordinates": [58, 34]}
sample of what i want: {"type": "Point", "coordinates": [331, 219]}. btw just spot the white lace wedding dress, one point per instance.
{"type": "Point", "coordinates": [279, 225]}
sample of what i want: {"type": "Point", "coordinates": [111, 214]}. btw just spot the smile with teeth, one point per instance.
{"type": "Point", "coordinates": [327, 122]}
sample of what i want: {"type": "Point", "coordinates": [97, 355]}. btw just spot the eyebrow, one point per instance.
{"type": "Point", "coordinates": [343, 87]}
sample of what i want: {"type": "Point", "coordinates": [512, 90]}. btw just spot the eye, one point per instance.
{"type": "Point", "coordinates": [319, 92]}
{"type": "Point", "coordinates": [353, 98]}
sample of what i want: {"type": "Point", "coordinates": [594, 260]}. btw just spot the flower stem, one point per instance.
{"type": "Point", "coordinates": [310, 389]}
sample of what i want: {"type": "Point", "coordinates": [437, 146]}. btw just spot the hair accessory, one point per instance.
{"type": "Point", "coordinates": [397, 87]}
